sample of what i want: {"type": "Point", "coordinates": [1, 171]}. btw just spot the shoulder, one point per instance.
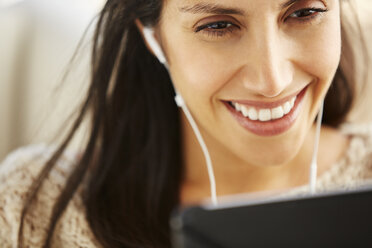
{"type": "Point", "coordinates": [354, 168]}
{"type": "Point", "coordinates": [360, 147]}
{"type": "Point", "coordinates": [23, 165]}
{"type": "Point", "coordinates": [17, 173]}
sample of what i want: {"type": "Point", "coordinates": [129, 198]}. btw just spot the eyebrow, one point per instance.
{"type": "Point", "coordinates": [203, 8]}
{"type": "Point", "coordinates": [288, 3]}
{"type": "Point", "coordinates": [209, 8]}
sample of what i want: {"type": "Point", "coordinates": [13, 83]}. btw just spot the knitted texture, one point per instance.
{"type": "Point", "coordinates": [20, 169]}
{"type": "Point", "coordinates": [17, 172]}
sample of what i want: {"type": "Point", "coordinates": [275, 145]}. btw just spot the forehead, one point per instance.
{"type": "Point", "coordinates": [196, 6]}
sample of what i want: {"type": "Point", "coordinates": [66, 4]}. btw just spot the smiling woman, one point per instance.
{"type": "Point", "coordinates": [250, 79]}
{"type": "Point", "coordinates": [273, 56]}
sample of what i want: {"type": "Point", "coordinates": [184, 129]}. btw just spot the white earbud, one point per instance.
{"type": "Point", "coordinates": [149, 35]}
{"type": "Point", "coordinates": [151, 41]}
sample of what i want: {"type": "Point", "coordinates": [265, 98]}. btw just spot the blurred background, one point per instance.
{"type": "Point", "coordinates": [38, 39]}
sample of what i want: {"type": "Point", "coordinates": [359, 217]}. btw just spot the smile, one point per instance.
{"type": "Point", "coordinates": [267, 118]}
{"type": "Point", "coordinates": [265, 114]}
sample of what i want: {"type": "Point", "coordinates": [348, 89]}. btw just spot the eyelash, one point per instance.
{"type": "Point", "coordinates": [218, 32]}
{"type": "Point", "coordinates": [231, 27]}
{"type": "Point", "coordinates": [315, 13]}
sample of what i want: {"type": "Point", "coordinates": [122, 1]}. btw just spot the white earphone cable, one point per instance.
{"type": "Point", "coordinates": [149, 36]}
{"type": "Point", "coordinates": [314, 163]}
{"type": "Point", "coordinates": [180, 102]}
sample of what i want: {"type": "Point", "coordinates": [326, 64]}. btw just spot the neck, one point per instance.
{"type": "Point", "coordinates": [242, 177]}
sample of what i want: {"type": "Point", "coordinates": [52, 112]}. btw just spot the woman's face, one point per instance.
{"type": "Point", "coordinates": [253, 73]}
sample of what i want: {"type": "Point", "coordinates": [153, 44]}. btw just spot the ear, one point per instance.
{"type": "Point", "coordinates": [151, 42]}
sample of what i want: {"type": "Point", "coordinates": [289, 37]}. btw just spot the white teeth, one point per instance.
{"type": "Point", "coordinates": [277, 113]}
{"type": "Point", "coordinates": [287, 108]}
{"type": "Point", "coordinates": [265, 114]}
{"type": "Point", "coordinates": [238, 106]}
{"type": "Point", "coordinates": [252, 114]}
{"type": "Point", "coordinates": [293, 101]}
{"type": "Point", "coordinates": [244, 111]}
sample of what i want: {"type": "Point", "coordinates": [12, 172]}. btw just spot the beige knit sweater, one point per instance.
{"type": "Point", "coordinates": [21, 167]}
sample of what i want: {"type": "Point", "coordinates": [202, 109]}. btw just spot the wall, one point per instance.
{"type": "Point", "coordinates": [37, 42]}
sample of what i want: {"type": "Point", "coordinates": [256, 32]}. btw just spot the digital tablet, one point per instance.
{"type": "Point", "coordinates": [333, 219]}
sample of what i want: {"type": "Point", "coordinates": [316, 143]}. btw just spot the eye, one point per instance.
{"type": "Point", "coordinates": [306, 14]}
{"type": "Point", "coordinates": [220, 28]}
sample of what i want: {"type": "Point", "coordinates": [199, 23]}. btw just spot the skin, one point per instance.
{"type": "Point", "coordinates": [268, 53]}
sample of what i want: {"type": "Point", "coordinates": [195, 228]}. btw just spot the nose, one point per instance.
{"type": "Point", "coordinates": [267, 70]}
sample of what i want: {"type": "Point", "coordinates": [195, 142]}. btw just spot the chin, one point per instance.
{"type": "Point", "coordinates": [282, 149]}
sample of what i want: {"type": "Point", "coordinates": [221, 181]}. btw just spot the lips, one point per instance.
{"type": "Point", "coordinates": [267, 119]}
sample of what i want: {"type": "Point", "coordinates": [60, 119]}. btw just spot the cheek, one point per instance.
{"type": "Point", "coordinates": [321, 51]}
{"type": "Point", "coordinates": [198, 70]}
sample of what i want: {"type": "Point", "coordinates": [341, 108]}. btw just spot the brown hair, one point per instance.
{"type": "Point", "coordinates": [135, 180]}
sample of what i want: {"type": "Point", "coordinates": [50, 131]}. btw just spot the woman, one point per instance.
{"type": "Point", "coordinates": [253, 77]}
